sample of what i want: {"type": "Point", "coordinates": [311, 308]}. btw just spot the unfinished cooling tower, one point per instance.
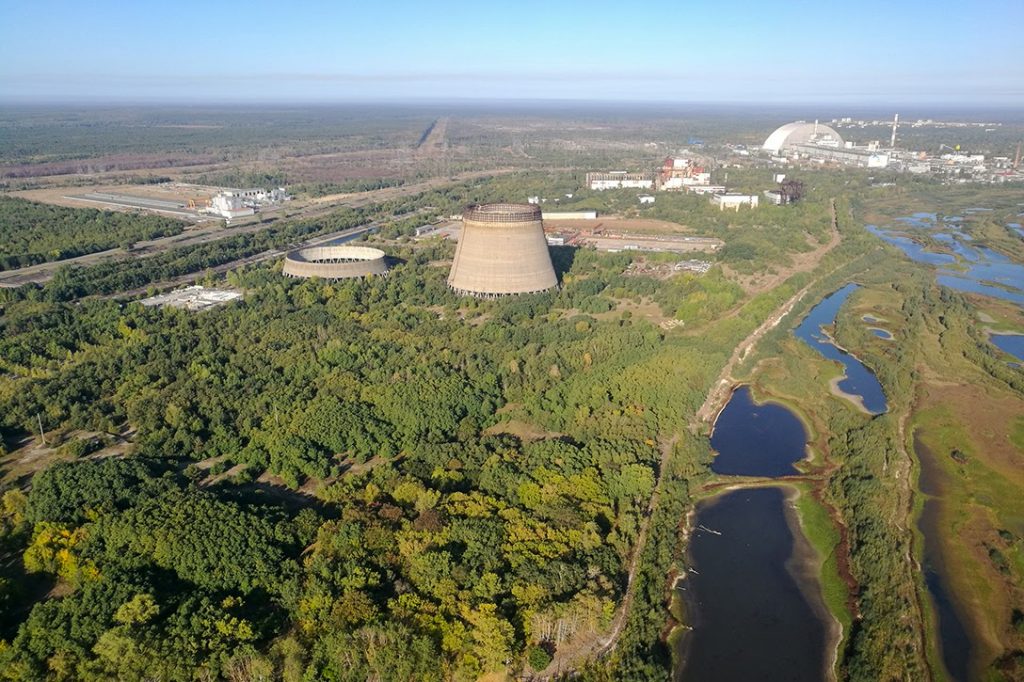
{"type": "Point", "coordinates": [502, 252]}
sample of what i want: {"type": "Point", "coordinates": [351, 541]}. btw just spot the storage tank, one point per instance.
{"type": "Point", "coordinates": [502, 252]}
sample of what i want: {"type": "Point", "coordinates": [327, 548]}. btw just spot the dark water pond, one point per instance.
{"type": "Point", "coordinates": [954, 642]}
{"type": "Point", "coordinates": [1010, 343]}
{"type": "Point", "coordinates": [859, 380]}
{"type": "Point", "coordinates": [751, 619]}
{"type": "Point", "coordinates": [756, 440]}
{"type": "Point", "coordinates": [881, 333]}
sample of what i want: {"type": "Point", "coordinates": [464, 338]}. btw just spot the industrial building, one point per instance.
{"type": "Point", "coordinates": [570, 215]}
{"type": "Point", "coordinates": [619, 180]}
{"type": "Point", "coordinates": [847, 156]}
{"type": "Point", "coordinates": [734, 201]}
{"type": "Point", "coordinates": [819, 142]}
{"type": "Point", "coordinates": [705, 189]}
{"type": "Point", "coordinates": [502, 252]}
{"type": "Point", "coordinates": [802, 133]}
{"type": "Point", "coordinates": [238, 203]}
{"type": "Point", "coordinates": [335, 262]}
{"type": "Point", "coordinates": [192, 298]}
{"type": "Point", "coordinates": [679, 173]}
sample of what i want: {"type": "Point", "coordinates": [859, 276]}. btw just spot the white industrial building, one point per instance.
{"type": "Point", "coordinates": [734, 201]}
{"type": "Point", "coordinates": [569, 215]}
{"type": "Point", "coordinates": [619, 180]}
{"type": "Point", "coordinates": [237, 203]}
{"type": "Point", "coordinates": [802, 133]}
{"type": "Point", "coordinates": [230, 205]}
{"type": "Point", "coordinates": [819, 142]}
{"type": "Point", "coordinates": [705, 189]}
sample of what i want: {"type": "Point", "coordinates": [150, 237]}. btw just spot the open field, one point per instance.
{"type": "Point", "coordinates": [172, 192]}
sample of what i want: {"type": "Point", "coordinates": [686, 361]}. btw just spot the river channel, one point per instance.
{"type": "Point", "coordinates": [859, 385]}
{"type": "Point", "coordinates": [954, 642]}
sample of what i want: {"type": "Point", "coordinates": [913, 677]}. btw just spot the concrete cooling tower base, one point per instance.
{"type": "Point", "coordinates": [502, 252]}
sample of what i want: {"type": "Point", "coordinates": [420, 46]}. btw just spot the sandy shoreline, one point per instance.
{"type": "Point", "coordinates": [840, 393]}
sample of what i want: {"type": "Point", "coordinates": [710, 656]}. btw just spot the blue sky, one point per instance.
{"type": "Point", "coordinates": [862, 52]}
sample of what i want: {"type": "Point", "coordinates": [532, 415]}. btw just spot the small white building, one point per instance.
{"type": "Point", "coordinates": [734, 201]}
{"type": "Point", "coordinates": [646, 199]}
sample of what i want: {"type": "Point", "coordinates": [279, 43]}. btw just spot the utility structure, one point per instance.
{"type": "Point", "coordinates": [502, 252]}
{"type": "Point", "coordinates": [335, 262]}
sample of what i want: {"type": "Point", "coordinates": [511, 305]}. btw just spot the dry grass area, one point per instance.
{"type": "Point", "coordinates": [802, 262]}
{"type": "Point", "coordinates": [522, 430]}
{"type": "Point", "coordinates": [63, 196]}
{"type": "Point", "coordinates": [32, 455]}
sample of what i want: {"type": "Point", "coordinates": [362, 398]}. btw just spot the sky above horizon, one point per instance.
{"type": "Point", "coordinates": [871, 52]}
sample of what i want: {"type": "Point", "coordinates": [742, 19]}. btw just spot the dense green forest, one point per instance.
{"type": "Point", "coordinates": [430, 524]}
{"type": "Point", "coordinates": [373, 478]}
{"type": "Point", "coordinates": [32, 233]}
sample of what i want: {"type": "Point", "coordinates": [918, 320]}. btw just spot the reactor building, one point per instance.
{"type": "Point", "coordinates": [502, 252]}
{"type": "Point", "coordinates": [335, 262]}
{"type": "Point", "coordinates": [800, 134]}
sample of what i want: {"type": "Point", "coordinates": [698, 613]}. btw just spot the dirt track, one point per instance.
{"type": "Point", "coordinates": [722, 387]}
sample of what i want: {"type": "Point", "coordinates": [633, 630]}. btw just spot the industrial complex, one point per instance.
{"type": "Point", "coordinates": [335, 262]}
{"type": "Point", "coordinates": [192, 298]}
{"type": "Point", "coordinates": [502, 251]}
{"type": "Point", "coordinates": [191, 202]}
{"type": "Point", "coordinates": [820, 143]}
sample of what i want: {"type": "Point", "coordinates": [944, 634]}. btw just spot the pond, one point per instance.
{"type": "Point", "coordinates": [756, 440]}
{"type": "Point", "coordinates": [752, 594]}
{"type": "Point", "coordinates": [1012, 344]}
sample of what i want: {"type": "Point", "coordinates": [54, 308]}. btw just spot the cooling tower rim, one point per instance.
{"type": "Point", "coordinates": [335, 262]}
{"type": "Point", "coordinates": [330, 254]}
{"type": "Point", "coordinates": [502, 212]}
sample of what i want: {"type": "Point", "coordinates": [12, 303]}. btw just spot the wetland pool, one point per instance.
{"type": "Point", "coordinates": [752, 594]}
{"type": "Point", "coordinates": [756, 440]}
{"type": "Point", "coordinates": [859, 381]}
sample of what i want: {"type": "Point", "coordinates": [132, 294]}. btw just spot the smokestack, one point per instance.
{"type": "Point", "coordinates": [502, 252]}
